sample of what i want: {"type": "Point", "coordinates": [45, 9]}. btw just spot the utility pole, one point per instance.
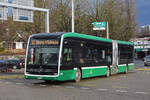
{"type": "Point", "coordinates": [72, 15]}
{"type": "Point", "coordinates": [107, 30]}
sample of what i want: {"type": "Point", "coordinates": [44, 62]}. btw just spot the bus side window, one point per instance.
{"type": "Point", "coordinates": [67, 55]}
{"type": "Point", "coordinates": [103, 54]}
{"type": "Point", "coordinates": [109, 59]}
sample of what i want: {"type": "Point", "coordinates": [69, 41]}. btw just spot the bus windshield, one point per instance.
{"type": "Point", "coordinates": [43, 55]}
{"type": "Point", "coordinates": [43, 52]}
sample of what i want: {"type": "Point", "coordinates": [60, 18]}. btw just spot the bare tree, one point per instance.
{"type": "Point", "coordinates": [120, 14]}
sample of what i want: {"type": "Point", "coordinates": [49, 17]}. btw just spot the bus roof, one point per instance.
{"type": "Point", "coordinates": [46, 35]}
{"type": "Point", "coordinates": [70, 34]}
{"type": "Point", "coordinates": [78, 35]}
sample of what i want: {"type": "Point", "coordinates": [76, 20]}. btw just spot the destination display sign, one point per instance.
{"type": "Point", "coordinates": [44, 42]}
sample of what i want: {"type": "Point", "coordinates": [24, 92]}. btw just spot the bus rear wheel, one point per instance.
{"type": "Point", "coordinates": [78, 75]}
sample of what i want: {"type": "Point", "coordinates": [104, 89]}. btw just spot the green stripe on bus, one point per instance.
{"type": "Point", "coordinates": [121, 68]}
{"type": "Point", "coordinates": [86, 72]}
{"type": "Point", "coordinates": [131, 66]}
{"type": "Point", "coordinates": [93, 72]}
{"type": "Point", "coordinates": [125, 42]}
{"type": "Point", "coordinates": [86, 37]}
{"type": "Point", "coordinates": [94, 38]}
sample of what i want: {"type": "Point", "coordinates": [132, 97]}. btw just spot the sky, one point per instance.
{"type": "Point", "coordinates": [143, 12]}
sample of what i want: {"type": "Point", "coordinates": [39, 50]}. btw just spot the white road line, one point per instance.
{"type": "Point", "coordinates": [56, 86]}
{"type": "Point", "coordinates": [84, 88]}
{"type": "Point", "coordinates": [122, 91]}
{"type": "Point", "coordinates": [19, 83]}
{"type": "Point", "coordinates": [141, 92]}
{"type": "Point", "coordinates": [42, 85]}
{"type": "Point", "coordinates": [102, 89]}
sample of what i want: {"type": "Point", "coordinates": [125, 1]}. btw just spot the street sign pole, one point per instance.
{"type": "Point", "coordinates": [107, 30]}
{"type": "Point", "coordinates": [72, 15]}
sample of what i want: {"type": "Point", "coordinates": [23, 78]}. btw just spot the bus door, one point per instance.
{"type": "Point", "coordinates": [115, 57]}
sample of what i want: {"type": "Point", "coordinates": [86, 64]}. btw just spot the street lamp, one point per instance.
{"type": "Point", "coordinates": [107, 31]}
{"type": "Point", "coordinates": [72, 15]}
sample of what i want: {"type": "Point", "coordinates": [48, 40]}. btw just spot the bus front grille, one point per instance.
{"type": "Point", "coordinates": [42, 70]}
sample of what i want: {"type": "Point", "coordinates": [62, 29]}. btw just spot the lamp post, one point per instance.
{"type": "Point", "coordinates": [107, 31]}
{"type": "Point", "coordinates": [72, 15]}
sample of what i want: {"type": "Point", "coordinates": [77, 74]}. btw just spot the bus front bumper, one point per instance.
{"type": "Point", "coordinates": [40, 77]}
{"type": "Point", "coordinates": [63, 76]}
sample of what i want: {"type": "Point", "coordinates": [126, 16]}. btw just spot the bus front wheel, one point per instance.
{"type": "Point", "coordinates": [78, 75]}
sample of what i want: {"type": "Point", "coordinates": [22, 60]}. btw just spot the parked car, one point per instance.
{"type": "Point", "coordinates": [147, 60]}
{"type": "Point", "coordinates": [3, 65]}
{"type": "Point", "coordinates": [15, 64]}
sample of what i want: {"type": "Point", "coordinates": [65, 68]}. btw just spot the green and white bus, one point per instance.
{"type": "Point", "coordinates": [73, 56]}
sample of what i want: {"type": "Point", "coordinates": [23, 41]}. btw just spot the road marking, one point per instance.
{"type": "Point", "coordinates": [56, 86]}
{"type": "Point", "coordinates": [43, 85]}
{"type": "Point", "coordinates": [102, 89]}
{"type": "Point", "coordinates": [84, 88]}
{"type": "Point", "coordinates": [122, 91]}
{"type": "Point", "coordinates": [19, 83]}
{"type": "Point", "coordinates": [143, 69]}
{"type": "Point", "coordinates": [141, 92]}
{"type": "Point", "coordinates": [88, 85]}
{"type": "Point", "coordinates": [120, 87]}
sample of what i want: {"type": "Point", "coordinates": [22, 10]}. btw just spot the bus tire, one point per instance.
{"type": "Point", "coordinates": [126, 70]}
{"type": "Point", "coordinates": [78, 75]}
{"type": "Point", "coordinates": [108, 72]}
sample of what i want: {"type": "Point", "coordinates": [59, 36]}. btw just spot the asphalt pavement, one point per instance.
{"type": "Point", "coordinates": [132, 86]}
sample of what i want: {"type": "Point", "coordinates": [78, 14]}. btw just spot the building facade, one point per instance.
{"type": "Point", "coordinates": [145, 30]}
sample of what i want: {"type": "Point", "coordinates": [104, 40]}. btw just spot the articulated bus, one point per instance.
{"type": "Point", "coordinates": [73, 56]}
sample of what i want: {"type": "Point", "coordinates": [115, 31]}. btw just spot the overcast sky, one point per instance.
{"type": "Point", "coordinates": [143, 12]}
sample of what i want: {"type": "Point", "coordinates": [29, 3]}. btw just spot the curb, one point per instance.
{"type": "Point", "coordinates": [12, 77]}
{"type": "Point", "coordinates": [142, 69]}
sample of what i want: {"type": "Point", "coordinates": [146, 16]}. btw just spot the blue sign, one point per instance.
{"type": "Point", "coordinates": [10, 1]}
{"type": "Point", "coordinates": [10, 11]}
{"type": "Point", "coordinates": [23, 18]}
